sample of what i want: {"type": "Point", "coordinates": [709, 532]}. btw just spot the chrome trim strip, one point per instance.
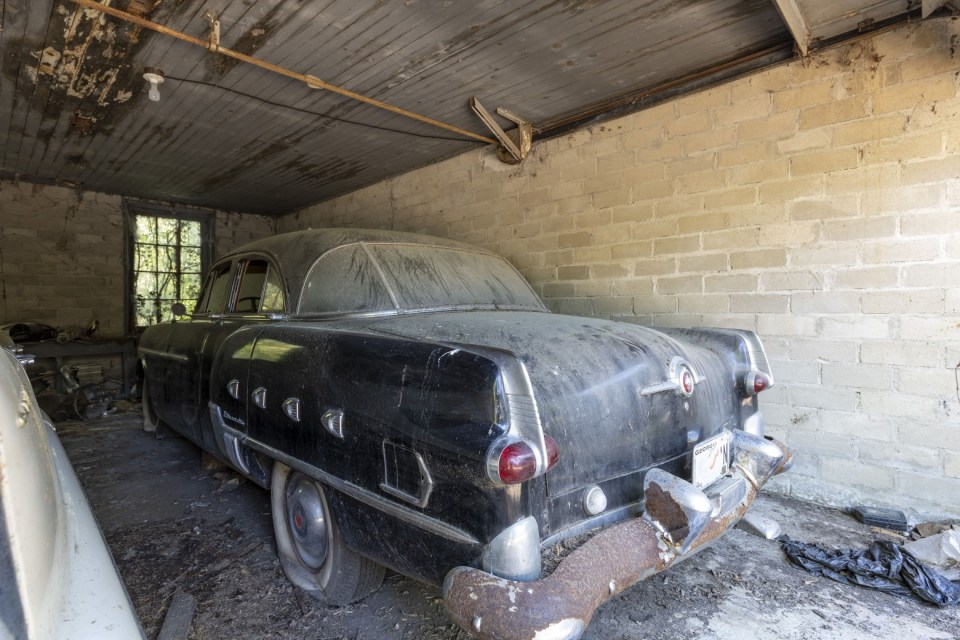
{"type": "Point", "coordinates": [524, 414]}
{"type": "Point", "coordinates": [631, 510]}
{"type": "Point", "coordinates": [164, 354]}
{"type": "Point", "coordinates": [425, 478]}
{"type": "Point", "coordinates": [674, 369]}
{"type": "Point", "coordinates": [755, 350]}
{"type": "Point", "coordinates": [406, 514]}
{"type": "Point", "coordinates": [666, 385]}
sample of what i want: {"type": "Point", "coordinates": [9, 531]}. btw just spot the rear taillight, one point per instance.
{"type": "Point", "coordinates": [756, 381]}
{"type": "Point", "coordinates": [517, 461]}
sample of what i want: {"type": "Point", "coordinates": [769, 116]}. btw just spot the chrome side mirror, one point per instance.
{"type": "Point", "coordinates": [179, 309]}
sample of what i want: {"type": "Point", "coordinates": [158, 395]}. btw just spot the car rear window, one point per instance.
{"type": "Point", "coordinates": [344, 281]}
{"type": "Point", "coordinates": [426, 277]}
{"type": "Point", "coordinates": [416, 277]}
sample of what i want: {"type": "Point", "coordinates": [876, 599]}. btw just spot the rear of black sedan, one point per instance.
{"type": "Point", "coordinates": [415, 406]}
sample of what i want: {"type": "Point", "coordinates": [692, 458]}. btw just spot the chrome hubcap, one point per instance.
{"type": "Point", "coordinates": [307, 521]}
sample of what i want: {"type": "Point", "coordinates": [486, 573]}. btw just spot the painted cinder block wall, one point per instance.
{"type": "Point", "coordinates": [62, 254]}
{"type": "Point", "coordinates": [817, 203]}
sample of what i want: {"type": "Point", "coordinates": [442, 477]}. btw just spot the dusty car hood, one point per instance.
{"type": "Point", "coordinates": [588, 375]}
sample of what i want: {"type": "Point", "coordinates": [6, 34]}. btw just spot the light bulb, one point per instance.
{"type": "Point", "coordinates": [154, 76]}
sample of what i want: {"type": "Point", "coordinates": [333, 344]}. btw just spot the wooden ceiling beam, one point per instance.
{"type": "Point", "coordinates": [796, 23]}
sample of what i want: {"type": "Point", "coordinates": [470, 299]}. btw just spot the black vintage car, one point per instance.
{"type": "Point", "coordinates": [410, 403]}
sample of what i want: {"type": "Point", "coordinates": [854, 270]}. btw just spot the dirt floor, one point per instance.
{"type": "Point", "coordinates": [173, 526]}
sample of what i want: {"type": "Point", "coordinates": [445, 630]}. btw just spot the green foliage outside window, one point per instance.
{"type": "Point", "coordinates": [167, 266]}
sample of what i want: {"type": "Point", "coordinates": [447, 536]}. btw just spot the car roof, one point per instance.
{"type": "Point", "coordinates": [295, 252]}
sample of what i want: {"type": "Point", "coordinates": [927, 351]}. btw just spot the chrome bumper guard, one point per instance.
{"type": "Point", "coordinates": [679, 520]}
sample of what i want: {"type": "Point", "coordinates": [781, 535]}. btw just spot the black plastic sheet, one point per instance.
{"type": "Point", "coordinates": [884, 566]}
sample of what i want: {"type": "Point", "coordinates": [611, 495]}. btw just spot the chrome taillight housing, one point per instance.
{"type": "Point", "coordinates": [756, 381]}
{"type": "Point", "coordinates": [512, 461]}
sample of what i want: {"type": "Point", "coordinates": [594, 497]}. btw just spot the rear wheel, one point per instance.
{"type": "Point", "coordinates": [309, 545]}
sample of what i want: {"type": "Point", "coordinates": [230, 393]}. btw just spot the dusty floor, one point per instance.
{"type": "Point", "coordinates": [174, 526]}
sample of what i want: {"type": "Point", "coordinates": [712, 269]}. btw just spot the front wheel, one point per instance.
{"type": "Point", "coordinates": [151, 421]}
{"type": "Point", "coordinates": [309, 545]}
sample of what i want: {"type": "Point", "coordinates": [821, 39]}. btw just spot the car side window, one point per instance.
{"type": "Point", "coordinates": [250, 290]}
{"type": "Point", "coordinates": [260, 289]}
{"type": "Point", "coordinates": [214, 298]}
{"type": "Point", "coordinates": [273, 298]}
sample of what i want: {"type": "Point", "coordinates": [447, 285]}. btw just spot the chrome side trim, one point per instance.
{"type": "Point", "coordinates": [755, 350]}
{"type": "Point", "coordinates": [332, 421]}
{"type": "Point", "coordinates": [406, 514]}
{"type": "Point", "coordinates": [614, 515]}
{"type": "Point", "coordinates": [164, 354]}
{"type": "Point", "coordinates": [523, 412]}
{"type": "Point", "coordinates": [425, 479]}
{"type": "Point", "coordinates": [673, 383]}
{"type": "Point", "coordinates": [291, 407]}
{"type": "Point", "coordinates": [754, 424]}
{"type": "Point", "coordinates": [666, 385]}
{"type": "Point", "coordinates": [515, 553]}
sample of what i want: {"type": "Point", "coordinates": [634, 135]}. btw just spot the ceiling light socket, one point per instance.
{"type": "Point", "coordinates": [155, 77]}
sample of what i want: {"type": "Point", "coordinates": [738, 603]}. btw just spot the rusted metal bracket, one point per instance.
{"type": "Point", "coordinates": [514, 145]}
{"type": "Point", "coordinates": [214, 36]}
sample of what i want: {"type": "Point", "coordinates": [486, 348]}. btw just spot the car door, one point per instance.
{"type": "Point", "coordinates": [258, 297]}
{"type": "Point", "coordinates": [187, 342]}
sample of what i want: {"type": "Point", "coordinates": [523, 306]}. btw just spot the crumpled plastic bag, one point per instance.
{"type": "Point", "coordinates": [940, 551]}
{"type": "Point", "coordinates": [884, 566]}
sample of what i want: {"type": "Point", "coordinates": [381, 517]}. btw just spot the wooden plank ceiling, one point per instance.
{"type": "Point", "coordinates": [74, 107]}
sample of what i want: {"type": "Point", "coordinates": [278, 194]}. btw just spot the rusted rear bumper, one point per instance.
{"type": "Point", "coordinates": [560, 606]}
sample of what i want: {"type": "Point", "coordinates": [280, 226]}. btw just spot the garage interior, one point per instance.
{"type": "Point", "coordinates": [790, 167]}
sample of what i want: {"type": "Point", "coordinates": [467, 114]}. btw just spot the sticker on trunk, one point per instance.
{"type": "Point", "coordinates": [711, 460]}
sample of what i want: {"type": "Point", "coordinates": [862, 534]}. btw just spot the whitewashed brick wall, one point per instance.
{"type": "Point", "coordinates": [62, 254]}
{"type": "Point", "coordinates": [817, 203]}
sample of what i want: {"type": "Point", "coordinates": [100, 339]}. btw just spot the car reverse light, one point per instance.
{"type": "Point", "coordinates": [756, 381]}
{"type": "Point", "coordinates": [518, 462]}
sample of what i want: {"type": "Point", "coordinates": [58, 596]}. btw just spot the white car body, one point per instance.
{"type": "Point", "coordinates": [57, 577]}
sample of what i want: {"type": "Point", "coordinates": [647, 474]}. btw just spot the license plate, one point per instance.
{"type": "Point", "coordinates": [711, 460]}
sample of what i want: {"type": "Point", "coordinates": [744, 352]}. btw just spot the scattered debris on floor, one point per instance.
{"type": "Point", "coordinates": [171, 530]}
{"type": "Point", "coordinates": [176, 624]}
{"type": "Point", "coordinates": [891, 519]}
{"type": "Point", "coordinates": [941, 551]}
{"type": "Point", "coordinates": [883, 565]}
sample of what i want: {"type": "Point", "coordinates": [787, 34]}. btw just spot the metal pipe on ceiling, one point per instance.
{"type": "Point", "coordinates": [311, 81]}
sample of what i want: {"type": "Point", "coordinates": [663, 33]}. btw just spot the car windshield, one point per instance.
{"type": "Point", "coordinates": [410, 277]}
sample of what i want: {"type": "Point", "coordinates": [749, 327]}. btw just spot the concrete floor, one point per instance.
{"type": "Point", "coordinates": [173, 526]}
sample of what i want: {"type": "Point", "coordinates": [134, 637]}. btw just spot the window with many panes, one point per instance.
{"type": "Point", "coordinates": [169, 253]}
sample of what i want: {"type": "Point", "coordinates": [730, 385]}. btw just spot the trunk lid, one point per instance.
{"type": "Point", "coordinates": [589, 378]}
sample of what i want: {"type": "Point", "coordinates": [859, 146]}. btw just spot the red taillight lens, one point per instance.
{"type": "Point", "coordinates": [756, 381]}
{"type": "Point", "coordinates": [518, 462]}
